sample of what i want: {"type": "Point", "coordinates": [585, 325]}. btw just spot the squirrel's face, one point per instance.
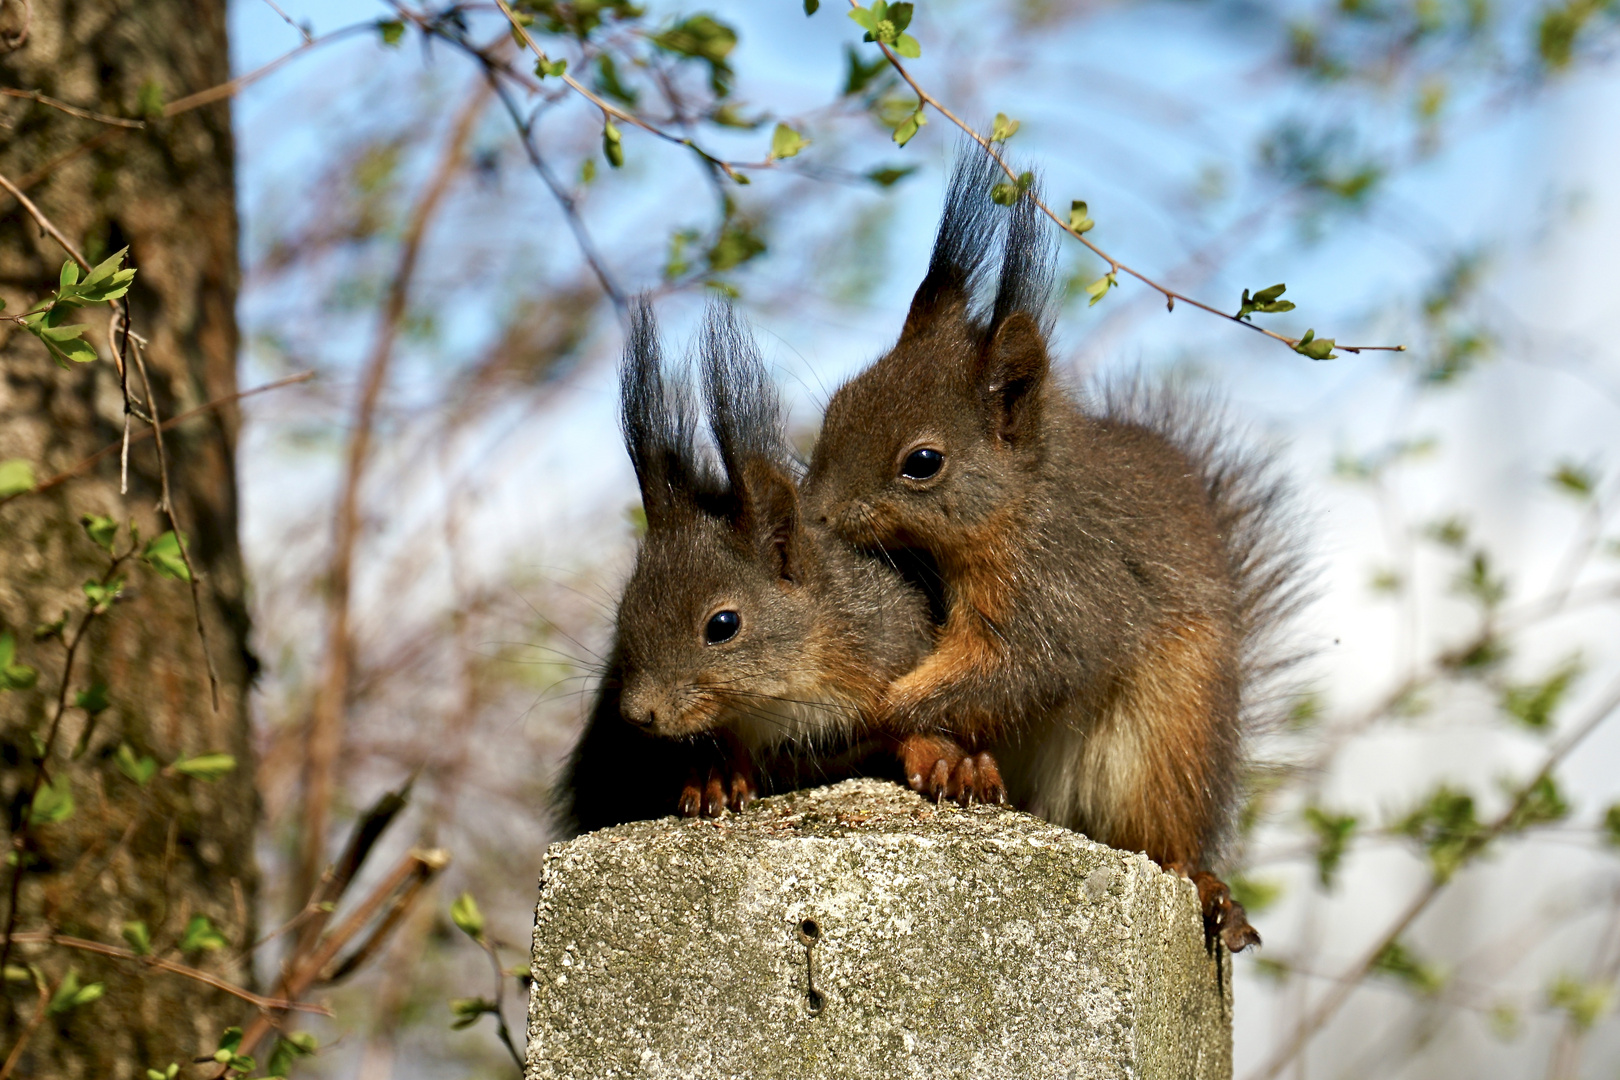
{"type": "Point", "coordinates": [712, 630]}
{"type": "Point", "coordinates": [930, 440]}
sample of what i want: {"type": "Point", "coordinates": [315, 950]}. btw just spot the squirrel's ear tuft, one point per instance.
{"type": "Point", "coordinates": [769, 518]}
{"type": "Point", "coordinates": [657, 422]}
{"type": "Point", "coordinates": [1012, 373]}
{"type": "Point", "coordinates": [964, 244]}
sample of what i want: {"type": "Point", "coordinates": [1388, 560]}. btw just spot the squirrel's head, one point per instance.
{"type": "Point", "coordinates": [721, 604]}
{"type": "Point", "coordinates": [931, 438]}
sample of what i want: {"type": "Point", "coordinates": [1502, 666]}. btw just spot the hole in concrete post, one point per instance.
{"type": "Point", "coordinates": [809, 932]}
{"type": "Point", "coordinates": [814, 1001]}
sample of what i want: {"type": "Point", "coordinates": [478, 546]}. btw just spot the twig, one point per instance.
{"type": "Point", "coordinates": [416, 868]}
{"type": "Point", "coordinates": [19, 837]}
{"type": "Point", "coordinates": [28, 1031]}
{"type": "Point", "coordinates": [72, 110]}
{"type": "Point", "coordinates": [1114, 265]}
{"type": "Point", "coordinates": [326, 714]}
{"type": "Point", "coordinates": [1346, 984]}
{"type": "Point", "coordinates": [157, 962]}
{"type": "Point", "coordinates": [308, 39]}
{"type": "Point", "coordinates": [166, 505]}
{"type": "Point", "coordinates": [230, 89]}
{"type": "Point", "coordinates": [43, 221]}
{"type": "Point", "coordinates": [146, 433]}
{"type": "Point", "coordinates": [501, 1030]}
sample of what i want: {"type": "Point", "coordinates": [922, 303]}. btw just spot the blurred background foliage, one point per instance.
{"type": "Point", "coordinates": [1431, 847]}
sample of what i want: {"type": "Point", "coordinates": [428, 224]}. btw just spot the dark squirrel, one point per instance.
{"type": "Point", "coordinates": [1112, 574]}
{"type": "Point", "coordinates": [750, 644]}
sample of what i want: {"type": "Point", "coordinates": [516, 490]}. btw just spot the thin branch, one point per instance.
{"type": "Point", "coordinates": [326, 714]}
{"type": "Point", "coordinates": [146, 433]}
{"type": "Point", "coordinates": [414, 870]}
{"type": "Point", "coordinates": [501, 1030]}
{"type": "Point", "coordinates": [72, 110]}
{"type": "Point", "coordinates": [308, 38]}
{"type": "Point", "coordinates": [19, 838]}
{"type": "Point", "coordinates": [166, 506]}
{"type": "Point", "coordinates": [28, 1031]}
{"type": "Point", "coordinates": [44, 222]}
{"type": "Point", "coordinates": [231, 88]}
{"type": "Point", "coordinates": [160, 964]}
{"type": "Point", "coordinates": [1114, 265]}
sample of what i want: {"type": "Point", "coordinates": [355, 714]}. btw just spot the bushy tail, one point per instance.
{"type": "Point", "coordinates": [1261, 532]}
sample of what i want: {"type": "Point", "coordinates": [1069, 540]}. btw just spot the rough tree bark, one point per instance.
{"type": "Point", "coordinates": [176, 847]}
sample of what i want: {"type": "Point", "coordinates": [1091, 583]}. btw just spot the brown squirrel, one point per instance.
{"type": "Point", "coordinates": [1111, 573]}
{"type": "Point", "coordinates": [750, 643]}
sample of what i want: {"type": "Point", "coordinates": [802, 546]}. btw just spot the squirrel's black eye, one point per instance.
{"type": "Point", "coordinates": [921, 464]}
{"type": "Point", "coordinates": [722, 626]}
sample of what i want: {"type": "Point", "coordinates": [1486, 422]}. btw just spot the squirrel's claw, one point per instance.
{"type": "Point", "coordinates": [712, 791]}
{"type": "Point", "coordinates": [1224, 917]}
{"type": "Point", "coordinates": [938, 768]}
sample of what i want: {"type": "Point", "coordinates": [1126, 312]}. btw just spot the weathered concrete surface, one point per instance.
{"type": "Point", "coordinates": [976, 943]}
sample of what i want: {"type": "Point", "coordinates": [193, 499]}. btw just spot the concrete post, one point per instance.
{"type": "Point", "coordinates": [860, 931]}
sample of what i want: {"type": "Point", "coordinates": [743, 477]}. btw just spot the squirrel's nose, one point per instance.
{"type": "Point", "coordinates": [639, 706]}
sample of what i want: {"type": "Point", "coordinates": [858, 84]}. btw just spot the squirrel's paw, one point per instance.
{"type": "Point", "coordinates": [938, 768]}
{"type": "Point", "coordinates": [1224, 917]}
{"type": "Point", "coordinates": [721, 787]}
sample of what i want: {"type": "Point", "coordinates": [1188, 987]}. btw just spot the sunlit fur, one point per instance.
{"type": "Point", "coordinates": [1113, 573]}
{"type": "Point", "coordinates": [823, 629]}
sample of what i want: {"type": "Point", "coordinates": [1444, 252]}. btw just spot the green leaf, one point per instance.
{"type": "Point", "coordinates": [705, 38]}
{"type": "Point", "coordinates": [909, 126]}
{"type": "Point", "coordinates": [1009, 193]}
{"type": "Point", "coordinates": [1584, 1002]}
{"type": "Point", "coordinates": [785, 143]}
{"type": "Point", "coordinates": [1003, 129]}
{"type": "Point", "coordinates": [392, 31]}
{"type": "Point", "coordinates": [907, 46]}
{"type": "Point", "coordinates": [69, 276]}
{"type": "Point", "coordinates": [811, 6]}
{"type": "Point", "coordinates": [101, 595]}
{"type": "Point", "coordinates": [1447, 827]}
{"type": "Point", "coordinates": [609, 83]}
{"type": "Point", "coordinates": [467, 1011]}
{"type": "Point", "coordinates": [16, 477]}
{"type": "Point", "coordinates": [209, 767]}
{"type": "Point", "coordinates": [859, 75]}
{"type": "Point", "coordinates": [229, 1040]}
{"type": "Point", "coordinates": [1079, 220]}
{"type": "Point", "coordinates": [1267, 303]}
{"type": "Point", "coordinates": [288, 1049]}
{"type": "Point", "coordinates": [1333, 833]}
{"type": "Point", "coordinates": [465, 914]}
{"type": "Point", "coordinates": [149, 101]}
{"type": "Point", "coordinates": [103, 530]}
{"type": "Point", "coordinates": [200, 936]}
{"type": "Point", "coordinates": [611, 147]}
{"type": "Point", "coordinates": [162, 553]}
{"type": "Point", "coordinates": [139, 938]}
{"type": "Point", "coordinates": [167, 1074]}
{"type": "Point", "coordinates": [1533, 704]}
{"type": "Point", "coordinates": [1099, 288]}
{"type": "Point", "coordinates": [139, 769]}
{"type": "Point", "coordinates": [71, 995]}
{"type": "Point", "coordinates": [1573, 479]}
{"type": "Point", "coordinates": [1543, 804]}
{"type": "Point", "coordinates": [93, 700]}
{"type": "Point", "coordinates": [14, 676]}
{"type": "Point", "coordinates": [53, 803]}
{"type": "Point", "coordinates": [890, 176]}
{"type": "Point", "coordinates": [865, 19]}
{"type": "Point", "coordinates": [556, 69]}
{"type": "Point", "coordinates": [106, 281]}
{"type": "Point", "coordinates": [736, 245]}
{"type": "Point", "coordinates": [1255, 894]}
{"type": "Point", "coordinates": [1476, 580]}
{"type": "Point", "coordinates": [1315, 348]}
{"type": "Point", "coordinates": [1399, 962]}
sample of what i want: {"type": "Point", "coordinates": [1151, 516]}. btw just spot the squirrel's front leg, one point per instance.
{"type": "Point", "coordinates": [725, 781]}
{"type": "Point", "coordinates": [1224, 917]}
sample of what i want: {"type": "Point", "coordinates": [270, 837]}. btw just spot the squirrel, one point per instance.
{"type": "Point", "coordinates": [750, 643]}
{"type": "Point", "coordinates": [1114, 574]}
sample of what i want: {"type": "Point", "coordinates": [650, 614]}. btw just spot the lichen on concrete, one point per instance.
{"type": "Point", "coordinates": [860, 931]}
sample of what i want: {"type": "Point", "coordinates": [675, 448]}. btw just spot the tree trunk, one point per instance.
{"type": "Point", "coordinates": [177, 846]}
